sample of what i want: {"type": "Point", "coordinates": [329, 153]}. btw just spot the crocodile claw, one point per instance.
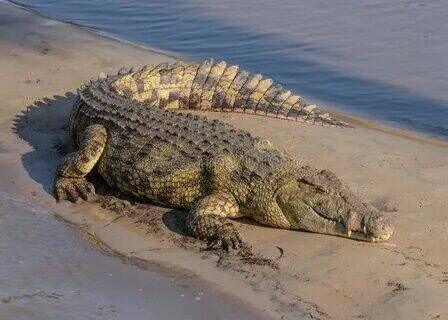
{"type": "Point", "coordinates": [227, 241]}
{"type": "Point", "coordinates": [73, 189]}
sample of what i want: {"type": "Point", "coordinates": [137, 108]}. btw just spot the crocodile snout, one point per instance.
{"type": "Point", "coordinates": [378, 228]}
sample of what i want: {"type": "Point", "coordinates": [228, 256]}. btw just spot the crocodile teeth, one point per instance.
{"type": "Point", "coordinates": [349, 233]}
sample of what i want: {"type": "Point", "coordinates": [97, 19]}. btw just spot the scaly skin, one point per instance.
{"type": "Point", "coordinates": [122, 125]}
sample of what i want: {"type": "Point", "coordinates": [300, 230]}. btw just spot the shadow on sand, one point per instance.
{"type": "Point", "coordinates": [44, 126]}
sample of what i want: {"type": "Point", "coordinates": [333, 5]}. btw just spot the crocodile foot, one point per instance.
{"type": "Point", "coordinates": [216, 230]}
{"type": "Point", "coordinates": [73, 189]}
{"type": "Point", "coordinates": [226, 238]}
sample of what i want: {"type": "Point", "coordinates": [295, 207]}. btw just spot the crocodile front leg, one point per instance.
{"type": "Point", "coordinates": [208, 220]}
{"type": "Point", "coordinates": [70, 181]}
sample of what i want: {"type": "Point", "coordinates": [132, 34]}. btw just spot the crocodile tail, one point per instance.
{"type": "Point", "coordinates": [216, 86]}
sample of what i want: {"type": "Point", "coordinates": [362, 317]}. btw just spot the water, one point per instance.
{"type": "Point", "coordinates": [380, 59]}
{"type": "Point", "coordinates": [50, 272]}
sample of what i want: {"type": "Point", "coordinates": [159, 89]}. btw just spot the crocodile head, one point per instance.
{"type": "Point", "coordinates": [321, 203]}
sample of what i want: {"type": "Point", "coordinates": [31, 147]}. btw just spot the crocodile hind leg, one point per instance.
{"type": "Point", "coordinates": [208, 221]}
{"type": "Point", "coordinates": [70, 181]}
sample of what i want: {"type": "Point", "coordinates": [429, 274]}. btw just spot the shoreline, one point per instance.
{"type": "Point", "coordinates": [352, 119]}
{"type": "Point", "coordinates": [313, 281]}
{"type": "Point", "coordinates": [100, 33]}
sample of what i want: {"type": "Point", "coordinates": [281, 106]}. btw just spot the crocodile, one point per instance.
{"type": "Point", "coordinates": [130, 128]}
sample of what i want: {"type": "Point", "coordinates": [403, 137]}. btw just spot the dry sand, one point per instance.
{"type": "Point", "coordinates": [42, 62]}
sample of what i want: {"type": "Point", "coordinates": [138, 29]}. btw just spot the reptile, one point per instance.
{"type": "Point", "coordinates": [129, 127]}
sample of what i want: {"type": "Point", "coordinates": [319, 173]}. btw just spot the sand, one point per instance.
{"type": "Point", "coordinates": [50, 271]}
{"type": "Point", "coordinates": [42, 62]}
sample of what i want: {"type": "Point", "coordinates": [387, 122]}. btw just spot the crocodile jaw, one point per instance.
{"type": "Point", "coordinates": [373, 227]}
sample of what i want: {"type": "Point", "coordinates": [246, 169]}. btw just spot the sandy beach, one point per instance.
{"type": "Point", "coordinates": [43, 62]}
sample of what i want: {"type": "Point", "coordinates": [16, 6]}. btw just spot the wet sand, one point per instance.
{"type": "Point", "coordinates": [48, 271]}
{"type": "Point", "coordinates": [319, 277]}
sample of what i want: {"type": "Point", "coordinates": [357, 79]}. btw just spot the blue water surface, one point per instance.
{"type": "Point", "coordinates": [384, 60]}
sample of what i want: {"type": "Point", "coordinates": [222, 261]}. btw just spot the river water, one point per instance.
{"type": "Point", "coordinates": [381, 59]}
{"type": "Point", "coordinates": [49, 271]}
